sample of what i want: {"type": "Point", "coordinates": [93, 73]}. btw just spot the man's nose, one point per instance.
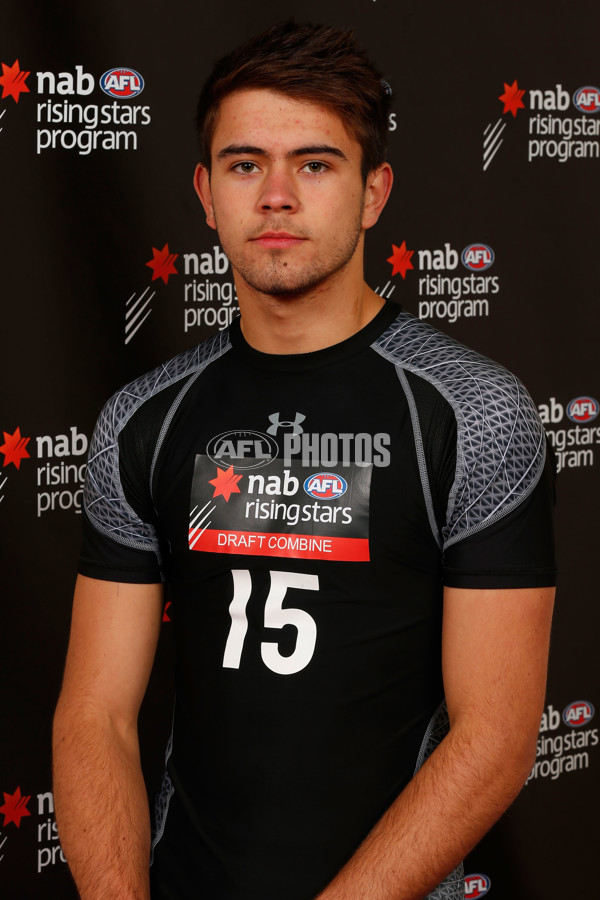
{"type": "Point", "coordinates": [278, 192]}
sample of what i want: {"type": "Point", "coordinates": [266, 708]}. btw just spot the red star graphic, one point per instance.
{"type": "Point", "coordinates": [400, 259]}
{"type": "Point", "coordinates": [13, 81]}
{"type": "Point", "coordinates": [15, 807]}
{"type": "Point", "coordinates": [512, 98]}
{"type": "Point", "coordinates": [166, 617]}
{"type": "Point", "coordinates": [226, 483]}
{"type": "Point", "coordinates": [162, 263]}
{"type": "Point", "coordinates": [14, 448]}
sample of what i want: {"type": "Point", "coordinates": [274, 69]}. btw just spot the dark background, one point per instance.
{"type": "Point", "coordinates": [76, 232]}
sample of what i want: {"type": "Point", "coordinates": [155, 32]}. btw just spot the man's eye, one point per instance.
{"type": "Point", "coordinates": [246, 168]}
{"type": "Point", "coordinates": [315, 167]}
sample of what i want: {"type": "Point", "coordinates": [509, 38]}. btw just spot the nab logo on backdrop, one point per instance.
{"type": "Point", "coordinates": [13, 810]}
{"type": "Point", "coordinates": [60, 468]}
{"type": "Point", "coordinates": [444, 294]}
{"type": "Point", "coordinates": [15, 451]}
{"type": "Point", "coordinates": [210, 300]}
{"type": "Point", "coordinates": [574, 445]}
{"type": "Point", "coordinates": [13, 81]}
{"type": "Point", "coordinates": [561, 125]}
{"type": "Point", "coordinates": [66, 122]}
{"type": "Point", "coordinates": [561, 752]}
{"type": "Point", "coordinates": [477, 885]}
{"type": "Point", "coordinates": [14, 448]}
{"type": "Point", "coordinates": [45, 831]}
{"type": "Point", "coordinates": [14, 807]}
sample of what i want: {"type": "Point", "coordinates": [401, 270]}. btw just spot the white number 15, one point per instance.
{"type": "Point", "coordinates": [276, 616]}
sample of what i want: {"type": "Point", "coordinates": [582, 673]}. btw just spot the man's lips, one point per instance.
{"type": "Point", "coordinates": [277, 239]}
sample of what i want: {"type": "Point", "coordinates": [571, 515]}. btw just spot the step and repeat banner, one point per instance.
{"type": "Point", "coordinates": [491, 234]}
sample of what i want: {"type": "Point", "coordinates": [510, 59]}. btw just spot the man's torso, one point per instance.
{"type": "Point", "coordinates": [301, 507]}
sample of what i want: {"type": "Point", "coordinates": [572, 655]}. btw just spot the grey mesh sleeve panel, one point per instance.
{"type": "Point", "coordinates": [420, 454]}
{"type": "Point", "coordinates": [500, 439]}
{"type": "Point", "coordinates": [162, 802]}
{"type": "Point", "coordinates": [104, 499]}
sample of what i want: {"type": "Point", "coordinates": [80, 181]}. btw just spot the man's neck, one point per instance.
{"type": "Point", "coordinates": [303, 324]}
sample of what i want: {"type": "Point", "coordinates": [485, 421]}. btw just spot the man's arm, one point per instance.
{"type": "Point", "coordinates": [495, 651]}
{"type": "Point", "coordinates": [100, 796]}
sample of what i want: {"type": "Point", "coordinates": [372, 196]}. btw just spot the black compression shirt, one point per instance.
{"type": "Point", "coordinates": [307, 511]}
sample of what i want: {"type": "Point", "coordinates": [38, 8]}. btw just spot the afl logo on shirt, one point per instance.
{"type": "Point", "coordinates": [325, 486]}
{"type": "Point", "coordinates": [242, 449]}
{"type": "Point", "coordinates": [122, 83]}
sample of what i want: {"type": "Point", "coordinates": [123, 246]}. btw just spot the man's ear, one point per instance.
{"type": "Point", "coordinates": [377, 190]}
{"type": "Point", "coordinates": [202, 186]}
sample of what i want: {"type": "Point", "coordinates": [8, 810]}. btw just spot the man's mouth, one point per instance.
{"type": "Point", "coordinates": [277, 240]}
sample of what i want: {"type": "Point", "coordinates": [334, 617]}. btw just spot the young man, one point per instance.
{"type": "Point", "coordinates": [353, 513]}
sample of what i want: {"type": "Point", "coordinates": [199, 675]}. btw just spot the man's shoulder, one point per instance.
{"type": "Point", "coordinates": [175, 372]}
{"type": "Point", "coordinates": [470, 382]}
{"type": "Point", "coordinates": [420, 348]}
{"type": "Point", "coordinates": [185, 365]}
{"type": "Point", "coordinates": [116, 448]}
{"type": "Point", "coordinates": [500, 439]}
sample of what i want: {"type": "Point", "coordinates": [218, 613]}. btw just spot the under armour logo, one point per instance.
{"type": "Point", "coordinates": [277, 423]}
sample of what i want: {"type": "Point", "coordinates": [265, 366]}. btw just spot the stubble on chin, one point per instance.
{"type": "Point", "coordinates": [277, 278]}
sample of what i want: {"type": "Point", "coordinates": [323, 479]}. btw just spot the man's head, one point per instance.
{"type": "Point", "coordinates": [318, 64]}
{"type": "Point", "coordinates": [294, 126]}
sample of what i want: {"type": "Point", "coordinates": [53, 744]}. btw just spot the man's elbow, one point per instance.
{"type": "Point", "coordinates": [514, 763]}
{"type": "Point", "coordinates": [528, 751]}
{"type": "Point", "coordinates": [502, 752]}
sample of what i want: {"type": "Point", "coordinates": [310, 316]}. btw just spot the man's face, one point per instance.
{"type": "Point", "coordinates": [285, 191]}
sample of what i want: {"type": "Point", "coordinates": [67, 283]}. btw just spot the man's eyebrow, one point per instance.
{"type": "Point", "coordinates": [318, 150]}
{"type": "Point", "coordinates": [240, 150]}
{"type": "Point", "coordinates": [250, 150]}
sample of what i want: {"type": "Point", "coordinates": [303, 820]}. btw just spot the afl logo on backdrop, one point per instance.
{"type": "Point", "coordinates": [583, 409]}
{"type": "Point", "coordinates": [325, 486]}
{"type": "Point", "coordinates": [477, 257]}
{"type": "Point", "coordinates": [122, 83]}
{"type": "Point", "coordinates": [578, 713]}
{"type": "Point", "coordinates": [587, 99]}
{"type": "Point", "coordinates": [476, 886]}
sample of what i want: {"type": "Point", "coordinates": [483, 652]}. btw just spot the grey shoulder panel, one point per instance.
{"type": "Point", "coordinates": [500, 439]}
{"type": "Point", "coordinates": [104, 499]}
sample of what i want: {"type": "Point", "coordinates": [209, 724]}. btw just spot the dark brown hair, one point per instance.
{"type": "Point", "coordinates": [316, 63]}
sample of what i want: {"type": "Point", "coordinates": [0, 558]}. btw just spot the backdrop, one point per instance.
{"type": "Point", "coordinates": [108, 268]}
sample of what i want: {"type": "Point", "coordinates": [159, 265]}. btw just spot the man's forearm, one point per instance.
{"type": "Point", "coordinates": [458, 794]}
{"type": "Point", "coordinates": [101, 805]}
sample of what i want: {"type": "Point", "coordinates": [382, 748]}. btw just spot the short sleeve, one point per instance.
{"type": "Point", "coordinates": [117, 543]}
{"type": "Point", "coordinates": [496, 529]}
{"type": "Point", "coordinates": [120, 535]}
{"type": "Point", "coordinates": [516, 551]}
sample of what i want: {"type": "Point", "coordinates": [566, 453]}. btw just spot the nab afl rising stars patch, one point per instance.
{"type": "Point", "coordinates": [280, 510]}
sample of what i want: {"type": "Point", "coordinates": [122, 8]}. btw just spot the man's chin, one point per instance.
{"type": "Point", "coordinates": [290, 288]}
{"type": "Point", "coordinates": [284, 293]}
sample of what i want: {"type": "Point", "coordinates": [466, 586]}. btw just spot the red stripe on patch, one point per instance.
{"type": "Point", "coordinates": [265, 543]}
